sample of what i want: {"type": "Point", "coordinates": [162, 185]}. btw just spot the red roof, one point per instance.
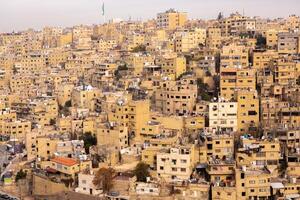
{"type": "Point", "coordinates": [64, 161]}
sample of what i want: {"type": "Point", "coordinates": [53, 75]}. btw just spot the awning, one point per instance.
{"type": "Point", "coordinates": [51, 170]}
{"type": "Point", "coordinates": [277, 185]}
{"type": "Point", "coordinates": [201, 166]}
{"type": "Point", "coordinates": [292, 196]}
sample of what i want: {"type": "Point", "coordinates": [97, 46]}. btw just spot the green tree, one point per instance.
{"type": "Point", "coordinates": [205, 97]}
{"type": "Point", "coordinates": [203, 90]}
{"type": "Point", "coordinates": [52, 122]}
{"type": "Point", "coordinates": [68, 182]}
{"type": "Point", "coordinates": [20, 175]}
{"type": "Point", "coordinates": [89, 140]}
{"type": "Point", "coordinates": [141, 172]}
{"type": "Point", "coordinates": [261, 42]}
{"type": "Point", "coordinates": [220, 16]}
{"type": "Point", "coordinates": [68, 104]}
{"type": "Point", "coordinates": [140, 48]}
{"type": "Point", "coordinates": [104, 179]}
{"type": "Point", "coordinates": [122, 67]}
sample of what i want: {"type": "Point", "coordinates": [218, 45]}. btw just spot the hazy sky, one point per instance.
{"type": "Point", "coordinates": [23, 14]}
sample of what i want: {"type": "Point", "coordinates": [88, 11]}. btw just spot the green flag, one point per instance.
{"type": "Point", "coordinates": [103, 9]}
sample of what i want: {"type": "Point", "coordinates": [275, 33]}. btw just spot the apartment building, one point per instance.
{"type": "Point", "coordinates": [67, 166]}
{"type": "Point", "coordinates": [284, 71]}
{"type": "Point", "coordinates": [112, 135]}
{"type": "Point", "coordinates": [235, 78]}
{"type": "Point", "coordinates": [221, 171]}
{"type": "Point", "coordinates": [85, 97]}
{"type": "Point", "coordinates": [31, 64]}
{"type": "Point", "coordinates": [272, 38]}
{"type": "Point", "coordinates": [248, 111]}
{"type": "Point", "coordinates": [257, 153]}
{"type": "Point", "coordinates": [177, 98]}
{"type": "Point", "coordinates": [7, 114]}
{"type": "Point", "coordinates": [171, 19]}
{"type": "Point", "coordinates": [44, 110]}
{"type": "Point", "coordinates": [64, 93]}
{"type": "Point", "coordinates": [43, 147]}
{"type": "Point", "coordinates": [136, 62]}
{"type": "Point", "coordinates": [252, 183]}
{"type": "Point", "coordinates": [262, 60]}
{"type": "Point", "coordinates": [288, 43]}
{"type": "Point", "coordinates": [16, 129]}
{"type": "Point", "coordinates": [236, 24]}
{"type": "Point", "coordinates": [172, 66]}
{"type": "Point", "coordinates": [185, 40]}
{"type": "Point", "coordinates": [223, 116]}
{"type": "Point", "coordinates": [86, 185]}
{"type": "Point", "coordinates": [214, 37]}
{"type": "Point", "coordinates": [218, 146]}
{"type": "Point", "coordinates": [175, 164]}
{"type": "Point", "coordinates": [234, 56]}
{"type": "Point", "coordinates": [131, 113]}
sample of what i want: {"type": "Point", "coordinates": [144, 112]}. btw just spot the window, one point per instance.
{"type": "Point", "coordinates": [262, 181]}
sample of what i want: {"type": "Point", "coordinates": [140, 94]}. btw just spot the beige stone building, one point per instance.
{"type": "Point", "coordinates": [171, 19]}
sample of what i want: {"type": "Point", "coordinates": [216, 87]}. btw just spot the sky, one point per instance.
{"type": "Point", "coordinates": [16, 15]}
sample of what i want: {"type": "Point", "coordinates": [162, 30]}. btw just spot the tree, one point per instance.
{"type": "Point", "coordinates": [122, 67]}
{"type": "Point", "coordinates": [15, 70]}
{"type": "Point", "coordinates": [64, 110]}
{"type": "Point", "coordinates": [20, 175]}
{"type": "Point", "coordinates": [261, 41]}
{"type": "Point", "coordinates": [104, 179]}
{"type": "Point", "coordinates": [205, 97]}
{"type": "Point", "coordinates": [203, 90]}
{"type": "Point", "coordinates": [141, 172]}
{"type": "Point", "coordinates": [68, 104]}
{"type": "Point", "coordinates": [188, 58]}
{"type": "Point", "coordinates": [140, 48]}
{"type": "Point", "coordinates": [89, 140]}
{"type": "Point", "coordinates": [68, 182]}
{"type": "Point", "coordinates": [220, 16]}
{"type": "Point", "coordinates": [52, 122]}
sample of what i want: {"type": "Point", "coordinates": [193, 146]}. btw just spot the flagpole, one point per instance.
{"type": "Point", "coordinates": [103, 13]}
